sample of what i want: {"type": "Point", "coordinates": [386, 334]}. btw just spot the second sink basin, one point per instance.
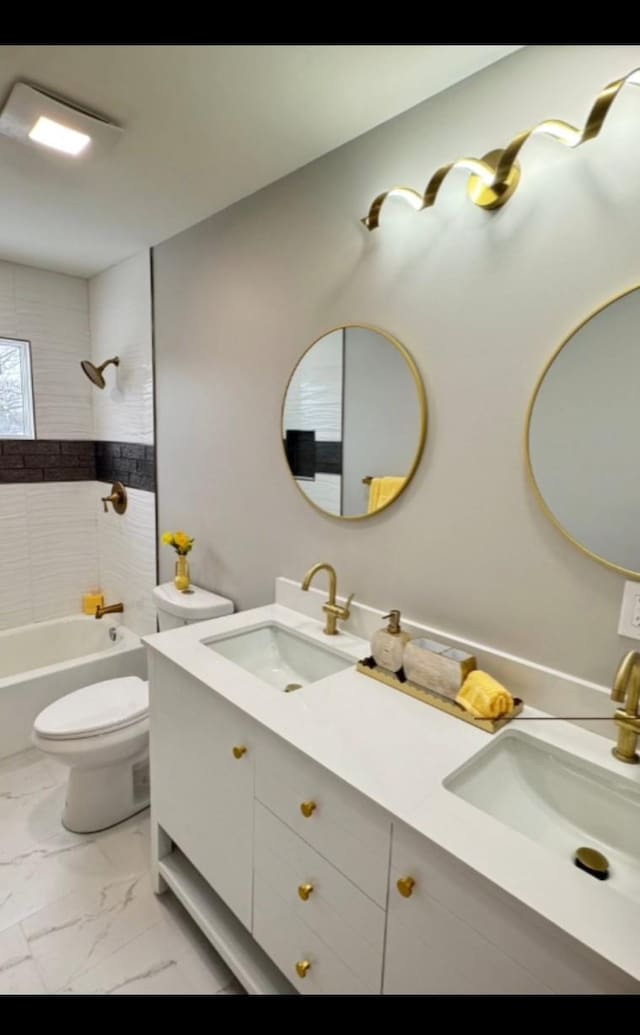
{"type": "Point", "coordinates": [280, 656]}
{"type": "Point", "coordinates": [559, 800]}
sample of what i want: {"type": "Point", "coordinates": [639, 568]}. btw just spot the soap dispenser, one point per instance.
{"type": "Point", "coordinates": [387, 646]}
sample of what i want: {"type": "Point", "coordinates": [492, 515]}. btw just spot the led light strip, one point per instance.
{"type": "Point", "coordinates": [495, 177]}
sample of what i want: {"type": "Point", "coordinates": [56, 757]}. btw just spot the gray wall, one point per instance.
{"type": "Point", "coordinates": [481, 300]}
{"type": "Point", "coordinates": [381, 415]}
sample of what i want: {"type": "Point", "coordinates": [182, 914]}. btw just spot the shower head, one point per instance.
{"type": "Point", "coordinates": [94, 373]}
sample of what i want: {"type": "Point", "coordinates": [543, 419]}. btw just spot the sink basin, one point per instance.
{"type": "Point", "coordinates": [279, 656]}
{"type": "Point", "coordinates": [559, 800]}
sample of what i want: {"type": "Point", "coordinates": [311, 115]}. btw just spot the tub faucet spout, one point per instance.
{"type": "Point", "coordinates": [109, 609]}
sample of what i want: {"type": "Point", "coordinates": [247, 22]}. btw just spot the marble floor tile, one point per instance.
{"type": "Point", "coordinates": [155, 963]}
{"type": "Point", "coordinates": [18, 973]}
{"type": "Point", "coordinates": [77, 913]}
{"type": "Point", "coordinates": [80, 930]}
{"type": "Point", "coordinates": [127, 846]}
{"type": "Point", "coordinates": [31, 797]}
{"type": "Point", "coordinates": [33, 876]}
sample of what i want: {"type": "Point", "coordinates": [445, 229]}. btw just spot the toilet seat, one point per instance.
{"type": "Point", "coordinates": [94, 710]}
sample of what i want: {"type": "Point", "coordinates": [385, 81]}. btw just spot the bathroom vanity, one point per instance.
{"type": "Point", "coordinates": [339, 837]}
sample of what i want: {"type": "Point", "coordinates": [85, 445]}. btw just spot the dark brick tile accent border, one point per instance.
{"type": "Point", "coordinates": [62, 460]}
{"type": "Point", "coordinates": [46, 460]}
{"type": "Point", "coordinates": [126, 462]}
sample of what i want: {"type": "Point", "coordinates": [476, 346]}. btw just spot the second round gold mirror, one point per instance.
{"type": "Point", "coordinates": [581, 446]}
{"type": "Point", "coordinates": [354, 421]}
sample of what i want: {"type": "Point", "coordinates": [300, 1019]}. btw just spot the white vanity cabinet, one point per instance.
{"type": "Point", "coordinates": [304, 884]}
{"type": "Point", "coordinates": [202, 757]}
{"type": "Point", "coordinates": [450, 930]}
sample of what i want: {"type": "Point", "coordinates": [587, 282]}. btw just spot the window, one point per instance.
{"type": "Point", "coordinates": [16, 396]}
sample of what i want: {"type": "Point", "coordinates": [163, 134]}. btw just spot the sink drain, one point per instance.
{"type": "Point", "coordinates": [292, 686]}
{"type": "Point", "coordinates": [592, 862]}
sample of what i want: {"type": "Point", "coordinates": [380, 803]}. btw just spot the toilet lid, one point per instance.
{"type": "Point", "coordinates": [95, 709]}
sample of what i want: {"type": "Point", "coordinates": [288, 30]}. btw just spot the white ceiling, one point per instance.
{"type": "Point", "coordinates": [204, 126]}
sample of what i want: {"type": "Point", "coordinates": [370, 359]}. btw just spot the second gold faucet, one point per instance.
{"type": "Point", "coordinates": [332, 610]}
{"type": "Point", "coordinates": [626, 690]}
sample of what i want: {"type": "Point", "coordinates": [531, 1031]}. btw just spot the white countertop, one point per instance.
{"type": "Point", "coordinates": [397, 751]}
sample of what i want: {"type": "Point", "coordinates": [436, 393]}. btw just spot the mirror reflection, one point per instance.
{"type": "Point", "coordinates": [582, 448]}
{"type": "Point", "coordinates": [354, 421]}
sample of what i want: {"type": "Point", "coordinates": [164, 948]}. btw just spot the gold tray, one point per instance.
{"type": "Point", "coordinates": [444, 704]}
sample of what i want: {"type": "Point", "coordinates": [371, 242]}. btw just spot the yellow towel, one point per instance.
{"type": "Point", "coordinates": [383, 490]}
{"type": "Point", "coordinates": [484, 697]}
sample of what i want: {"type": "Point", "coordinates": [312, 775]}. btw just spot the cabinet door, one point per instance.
{"type": "Point", "coordinates": [454, 930]}
{"type": "Point", "coordinates": [458, 932]}
{"type": "Point", "coordinates": [202, 780]}
{"type": "Point", "coordinates": [431, 950]}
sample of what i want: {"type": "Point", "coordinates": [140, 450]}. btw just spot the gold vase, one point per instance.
{"type": "Point", "coordinates": [181, 579]}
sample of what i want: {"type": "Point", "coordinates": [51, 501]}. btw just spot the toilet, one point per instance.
{"type": "Point", "coordinates": [102, 731]}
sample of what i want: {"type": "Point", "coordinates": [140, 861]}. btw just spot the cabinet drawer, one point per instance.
{"type": "Point", "coordinates": [342, 825]}
{"type": "Point", "coordinates": [349, 922]}
{"type": "Point", "coordinates": [289, 941]}
{"type": "Point", "coordinates": [551, 956]}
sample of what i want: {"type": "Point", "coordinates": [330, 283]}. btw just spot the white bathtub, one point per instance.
{"type": "Point", "coordinates": [41, 662]}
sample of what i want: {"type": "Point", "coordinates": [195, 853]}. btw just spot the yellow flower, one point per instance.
{"type": "Point", "coordinates": [182, 541]}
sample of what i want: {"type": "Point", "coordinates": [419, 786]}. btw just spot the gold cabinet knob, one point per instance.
{"type": "Point", "coordinates": [304, 890]}
{"type": "Point", "coordinates": [302, 966]}
{"type": "Point", "coordinates": [239, 750]}
{"type": "Point", "coordinates": [308, 808]}
{"type": "Point", "coordinates": [405, 886]}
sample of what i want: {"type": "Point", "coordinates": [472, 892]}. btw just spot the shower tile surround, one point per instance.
{"type": "Point", "coordinates": [57, 543]}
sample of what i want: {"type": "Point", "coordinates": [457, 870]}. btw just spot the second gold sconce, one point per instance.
{"type": "Point", "coordinates": [495, 177]}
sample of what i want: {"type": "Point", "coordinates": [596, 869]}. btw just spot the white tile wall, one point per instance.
{"type": "Point", "coordinates": [61, 518]}
{"type": "Point", "coordinates": [323, 490]}
{"type": "Point", "coordinates": [48, 550]}
{"type": "Point", "coordinates": [56, 543]}
{"type": "Point", "coordinates": [120, 316]}
{"type": "Point", "coordinates": [127, 558]}
{"type": "Point", "coordinates": [15, 567]}
{"type": "Point", "coordinates": [314, 396]}
{"type": "Point", "coordinates": [51, 311]}
{"type": "Point", "coordinates": [120, 307]}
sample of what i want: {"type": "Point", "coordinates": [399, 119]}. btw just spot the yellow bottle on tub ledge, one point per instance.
{"type": "Point", "coordinates": [91, 601]}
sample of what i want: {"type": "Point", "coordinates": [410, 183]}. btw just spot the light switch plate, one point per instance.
{"type": "Point", "coordinates": [629, 624]}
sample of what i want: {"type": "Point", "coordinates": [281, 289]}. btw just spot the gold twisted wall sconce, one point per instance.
{"type": "Point", "coordinates": [495, 177]}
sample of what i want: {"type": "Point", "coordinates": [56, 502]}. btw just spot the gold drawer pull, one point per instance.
{"type": "Point", "coordinates": [308, 808]}
{"type": "Point", "coordinates": [405, 886]}
{"type": "Point", "coordinates": [239, 750]}
{"type": "Point", "coordinates": [304, 890]}
{"type": "Point", "coordinates": [302, 967]}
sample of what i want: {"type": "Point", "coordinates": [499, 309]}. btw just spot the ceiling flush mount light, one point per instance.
{"type": "Point", "coordinates": [495, 177]}
{"type": "Point", "coordinates": [40, 119]}
{"type": "Point", "coordinates": [59, 137]}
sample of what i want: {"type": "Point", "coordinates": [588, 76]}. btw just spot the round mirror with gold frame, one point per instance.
{"type": "Point", "coordinates": [581, 445]}
{"type": "Point", "coordinates": [354, 421]}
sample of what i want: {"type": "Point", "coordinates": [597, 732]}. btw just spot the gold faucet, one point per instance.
{"type": "Point", "coordinates": [332, 610]}
{"type": "Point", "coordinates": [626, 688]}
{"type": "Point", "coordinates": [109, 609]}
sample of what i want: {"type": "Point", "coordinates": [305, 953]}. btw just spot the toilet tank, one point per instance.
{"type": "Point", "coordinates": [175, 608]}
